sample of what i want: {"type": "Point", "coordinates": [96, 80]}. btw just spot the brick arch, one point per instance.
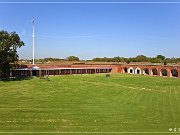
{"type": "Point", "coordinates": [138, 70]}
{"type": "Point", "coordinates": [163, 72]}
{"type": "Point", "coordinates": [154, 71]}
{"type": "Point", "coordinates": [146, 71]}
{"type": "Point", "coordinates": [131, 70]}
{"type": "Point", "coordinates": [174, 73]}
{"type": "Point", "coordinates": [125, 70]}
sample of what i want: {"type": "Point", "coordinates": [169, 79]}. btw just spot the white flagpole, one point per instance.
{"type": "Point", "coordinates": [33, 38]}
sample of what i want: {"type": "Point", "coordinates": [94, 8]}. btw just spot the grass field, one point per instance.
{"type": "Point", "coordinates": [90, 103]}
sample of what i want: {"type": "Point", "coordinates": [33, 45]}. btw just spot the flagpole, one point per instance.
{"type": "Point", "coordinates": [33, 38]}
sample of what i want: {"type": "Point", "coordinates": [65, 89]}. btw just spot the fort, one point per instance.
{"type": "Point", "coordinates": [141, 69]}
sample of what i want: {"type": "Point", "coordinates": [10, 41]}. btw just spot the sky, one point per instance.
{"type": "Point", "coordinates": [89, 30]}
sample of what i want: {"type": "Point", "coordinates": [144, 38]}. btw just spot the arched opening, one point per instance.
{"type": "Point", "coordinates": [125, 70]}
{"type": "Point", "coordinates": [163, 72]}
{"type": "Point", "coordinates": [154, 71]}
{"type": "Point", "coordinates": [137, 71]}
{"type": "Point", "coordinates": [174, 73]}
{"type": "Point", "coordinates": [131, 70]}
{"type": "Point", "coordinates": [146, 71]}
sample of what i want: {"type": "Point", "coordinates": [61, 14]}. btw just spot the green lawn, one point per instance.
{"type": "Point", "coordinates": [90, 103]}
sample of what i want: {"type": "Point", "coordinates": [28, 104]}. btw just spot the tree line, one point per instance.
{"type": "Point", "coordinates": [139, 58]}
{"type": "Point", "coordinates": [70, 58]}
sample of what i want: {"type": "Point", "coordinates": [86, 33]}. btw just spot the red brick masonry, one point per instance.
{"type": "Point", "coordinates": [24, 71]}
{"type": "Point", "coordinates": [156, 70]}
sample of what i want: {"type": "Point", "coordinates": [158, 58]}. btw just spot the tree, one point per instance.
{"type": "Point", "coordinates": [96, 59]}
{"type": "Point", "coordinates": [9, 42]}
{"type": "Point", "coordinates": [72, 58]}
{"type": "Point", "coordinates": [118, 59]}
{"type": "Point", "coordinates": [127, 60]}
{"type": "Point", "coordinates": [141, 58]}
{"type": "Point", "coordinates": [161, 57]}
{"type": "Point", "coordinates": [156, 60]}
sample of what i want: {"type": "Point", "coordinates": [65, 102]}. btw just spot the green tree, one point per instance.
{"type": "Point", "coordinates": [72, 58]}
{"type": "Point", "coordinates": [9, 42]}
{"type": "Point", "coordinates": [141, 58]}
{"type": "Point", "coordinates": [118, 59]}
{"type": "Point", "coordinates": [96, 59]}
{"type": "Point", "coordinates": [127, 60]}
{"type": "Point", "coordinates": [156, 60]}
{"type": "Point", "coordinates": [161, 57]}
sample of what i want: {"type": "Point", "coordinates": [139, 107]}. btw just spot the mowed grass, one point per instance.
{"type": "Point", "coordinates": [90, 103]}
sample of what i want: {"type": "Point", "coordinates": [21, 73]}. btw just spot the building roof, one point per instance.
{"type": "Point", "coordinates": [63, 67]}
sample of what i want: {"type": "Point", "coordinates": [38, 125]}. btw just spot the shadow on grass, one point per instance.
{"type": "Point", "coordinates": [16, 79]}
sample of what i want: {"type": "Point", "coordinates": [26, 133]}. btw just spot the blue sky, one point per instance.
{"type": "Point", "coordinates": [95, 30]}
